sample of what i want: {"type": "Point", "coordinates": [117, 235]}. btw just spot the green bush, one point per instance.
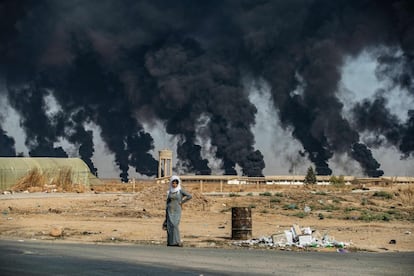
{"type": "Point", "coordinates": [383, 194]}
{"type": "Point", "coordinates": [368, 216]}
{"type": "Point", "coordinates": [275, 200]}
{"type": "Point", "coordinates": [290, 206]}
{"type": "Point", "coordinates": [330, 208]}
{"type": "Point", "coordinates": [350, 209]}
{"type": "Point", "coordinates": [337, 181]}
{"type": "Point", "coordinates": [300, 214]}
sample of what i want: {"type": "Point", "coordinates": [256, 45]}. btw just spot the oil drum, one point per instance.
{"type": "Point", "coordinates": [241, 223]}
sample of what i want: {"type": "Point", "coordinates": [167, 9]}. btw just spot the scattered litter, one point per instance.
{"type": "Point", "coordinates": [296, 237]}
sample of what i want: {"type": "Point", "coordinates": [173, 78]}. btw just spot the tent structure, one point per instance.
{"type": "Point", "coordinates": [12, 169]}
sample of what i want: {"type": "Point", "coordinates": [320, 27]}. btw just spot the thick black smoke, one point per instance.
{"type": "Point", "coordinates": [7, 148]}
{"type": "Point", "coordinates": [120, 64]}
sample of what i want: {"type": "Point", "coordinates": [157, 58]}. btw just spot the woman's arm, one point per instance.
{"type": "Point", "coordinates": [186, 196]}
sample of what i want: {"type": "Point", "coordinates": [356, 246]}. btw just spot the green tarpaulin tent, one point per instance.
{"type": "Point", "coordinates": [14, 168]}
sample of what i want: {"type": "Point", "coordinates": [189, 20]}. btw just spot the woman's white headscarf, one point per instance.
{"type": "Point", "coordinates": [176, 189]}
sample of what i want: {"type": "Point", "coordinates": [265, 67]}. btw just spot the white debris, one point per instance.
{"type": "Point", "coordinates": [305, 240]}
{"type": "Point", "coordinates": [296, 236]}
{"type": "Point", "coordinates": [289, 237]}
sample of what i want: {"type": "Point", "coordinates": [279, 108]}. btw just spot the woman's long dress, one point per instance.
{"type": "Point", "coordinates": [173, 216]}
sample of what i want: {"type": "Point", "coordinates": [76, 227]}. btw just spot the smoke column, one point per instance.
{"type": "Point", "coordinates": [122, 64]}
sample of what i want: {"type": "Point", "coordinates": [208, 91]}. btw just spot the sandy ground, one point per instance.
{"type": "Point", "coordinates": [364, 219]}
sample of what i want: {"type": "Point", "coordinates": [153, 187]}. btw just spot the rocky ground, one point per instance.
{"type": "Point", "coordinates": [369, 218]}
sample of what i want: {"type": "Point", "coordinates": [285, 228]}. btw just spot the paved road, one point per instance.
{"type": "Point", "coordinates": [51, 258]}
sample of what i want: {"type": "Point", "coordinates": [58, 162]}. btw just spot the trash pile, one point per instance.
{"type": "Point", "coordinates": [296, 237]}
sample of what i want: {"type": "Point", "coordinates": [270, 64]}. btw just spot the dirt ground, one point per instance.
{"type": "Point", "coordinates": [368, 218]}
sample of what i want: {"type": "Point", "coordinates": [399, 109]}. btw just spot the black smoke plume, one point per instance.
{"type": "Point", "coordinates": [121, 64]}
{"type": "Point", "coordinates": [7, 145]}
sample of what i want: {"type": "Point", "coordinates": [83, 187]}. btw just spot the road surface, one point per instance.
{"type": "Point", "coordinates": [60, 258]}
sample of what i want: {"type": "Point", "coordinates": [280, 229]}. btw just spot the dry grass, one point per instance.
{"type": "Point", "coordinates": [37, 181]}
{"type": "Point", "coordinates": [407, 195]}
{"type": "Point", "coordinates": [31, 181]}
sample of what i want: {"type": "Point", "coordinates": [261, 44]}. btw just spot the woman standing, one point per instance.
{"type": "Point", "coordinates": [176, 197]}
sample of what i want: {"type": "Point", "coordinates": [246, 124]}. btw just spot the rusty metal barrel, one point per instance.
{"type": "Point", "coordinates": [241, 223]}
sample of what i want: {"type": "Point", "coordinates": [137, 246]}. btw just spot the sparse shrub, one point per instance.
{"type": "Point", "coordinates": [335, 200]}
{"type": "Point", "coordinates": [366, 216]}
{"type": "Point", "coordinates": [350, 209]}
{"type": "Point", "coordinates": [383, 194]}
{"type": "Point", "coordinates": [266, 194]}
{"type": "Point", "coordinates": [337, 181]}
{"type": "Point", "coordinates": [249, 194]}
{"type": "Point", "coordinates": [364, 201]}
{"type": "Point", "coordinates": [275, 200]}
{"type": "Point", "coordinates": [330, 208]}
{"type": "Point", "coordinates": [290, 206]}
{"type": "Point", "coordinates": [300, 214]}
{"type": "Point", "coordinates": [392, 212]}
{"type": "Point", "coordinates": [233, 195]}
{"type": "Point", "coordinates": [385, 217]}
{"type": "Point", "coordinates": [369, 216]}
{"type": "Point", "coordinates": [278, 194]}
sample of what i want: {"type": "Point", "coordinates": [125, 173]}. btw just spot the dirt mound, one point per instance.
{"type": "Point", "coordinates": [157, 194]}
